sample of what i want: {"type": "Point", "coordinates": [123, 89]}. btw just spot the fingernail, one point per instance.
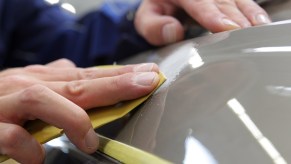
{"type": "Point", "coordinates": [231, 24]}
{"type": "Point", "coordinates": [147, 67]}
{"type": "Point", "coordinates": [146, 79]}
{"type": "Point", "coordinates": [246, 24]}
{"type": "Point", "coordinates": [262, 19]}
{"type": "Point", "coordinates": [169, 33]}
{"type": "Point", "coordinates": [91, 139]}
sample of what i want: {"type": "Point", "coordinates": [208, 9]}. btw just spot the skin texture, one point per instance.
{"type": "Point", "coordinates": [58, 93]}
{"type": "Point", "coordinates": [156, 20]}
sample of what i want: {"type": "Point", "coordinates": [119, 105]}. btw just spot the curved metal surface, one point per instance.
{"type": "Point", "coordinates": [226, 100]}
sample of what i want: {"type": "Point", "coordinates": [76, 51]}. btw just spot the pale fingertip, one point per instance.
{"type": "Point", "coordinates": [229, 24]}
{"type": "Point", "coordinates": [155, 68]}
{"type": "Point", "coordinates": [169, 33]}
{"type": "Point", "coordinates": [246, 24]}
{"type": "Point", "coordinates": [91, 140]}
{"type": "Point", "coordinates": [262, 19]}
{"type": "Point", "coordinates": [146, 67]}
{"type": "Point", "coordinates": [146, 79]}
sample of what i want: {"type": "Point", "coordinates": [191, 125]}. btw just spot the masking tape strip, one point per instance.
{"type": "Point", "coordinates": [127, 154]}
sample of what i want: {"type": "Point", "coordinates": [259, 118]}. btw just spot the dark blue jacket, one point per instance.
{"type": "Point", "coordinates": [33, 32]}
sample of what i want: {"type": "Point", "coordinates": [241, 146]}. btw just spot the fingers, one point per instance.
{"type": "Point", "coordinates": [93, 92]}
{"type": "Point", "coordinates": [221, 15]}
{"type": "Point", "coordinates": [230, 9]}
{"type": "Point", "coordinates": [109, 90]}
{"type": "Point", "coordinates": [255, 14]}
{"type": "Point", "coordinates": [68, 74]}
{"type": "Point", "coordinates": [27, 96]}
{"type": "Point", "coordinates": [18, 78]}
{"type": "Point", "coordinates": [15, 143]}
{"type": "Point", "coordinates": [39, 102]}
{"type": "Point", "coordinates": [208, 15]}
{"type": "Point", "coordinates": [156, 26]}
{"type": "Point", "coordinates": [92, 87]}
{"type": "Point", "coordinates": [156, 22]}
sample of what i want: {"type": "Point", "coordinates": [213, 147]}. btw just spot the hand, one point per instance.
{"type": "Point", "coordinates": [155, 19]}
{"type": "Point", "coordinates": [56, 94]}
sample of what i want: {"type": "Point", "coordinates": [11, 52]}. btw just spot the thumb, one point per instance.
{"type": "Point", "coordinates": [157, 28]}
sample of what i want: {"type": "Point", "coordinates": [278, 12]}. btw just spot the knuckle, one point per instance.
{"type": "Point", "coordinates": [114, 84]}
{"type": "Point", "coordinates": [86, 74]}
{"type": "Point", "coordinates": [33, 95]}
{"type": "Point", "coordinates": [35, 68]}
{"type": "Point", "coordinates": [80, 74]}
{"type": "Point", "coordinates": [75, 88]}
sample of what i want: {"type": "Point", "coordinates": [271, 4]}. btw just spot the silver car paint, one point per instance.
{"type": "Point", "coordinates": [227, 99]}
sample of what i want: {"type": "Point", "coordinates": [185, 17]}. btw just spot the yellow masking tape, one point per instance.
{"type": "Point", "coordinates": [44, 132]}
{"type": "Point", "coordinates": [127, 154]}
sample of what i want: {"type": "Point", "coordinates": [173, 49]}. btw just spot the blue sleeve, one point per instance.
{"type": "Point", "coordinates": [39, 33]}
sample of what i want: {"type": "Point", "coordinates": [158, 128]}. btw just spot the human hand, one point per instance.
{"type": "Point", "coordinates": [155, 19]}
{"type": "Point", "coordinates": [56, 94]}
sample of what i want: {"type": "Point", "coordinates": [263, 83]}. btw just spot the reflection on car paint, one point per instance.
{"type": "Point", "coordinates": [279, 90]}
{"type": "Point", "coordinates": [196, 152]}
{"type": "Point", "coordinates": [269, 49]}
{"type": "Point", "coordinates": [266, 144]}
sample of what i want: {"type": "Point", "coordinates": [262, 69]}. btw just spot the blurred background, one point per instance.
{"type": "Point", "coordinates": [81, 7]}
{"type": "Point", "coordinates": [78, 7]}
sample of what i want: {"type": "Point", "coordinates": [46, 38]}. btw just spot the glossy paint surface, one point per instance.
{"type": "Point", "coordinates": [227, 99]}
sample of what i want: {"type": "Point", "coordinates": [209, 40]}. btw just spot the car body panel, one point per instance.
{"type": "Point", "coordinates": [226, 100]}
